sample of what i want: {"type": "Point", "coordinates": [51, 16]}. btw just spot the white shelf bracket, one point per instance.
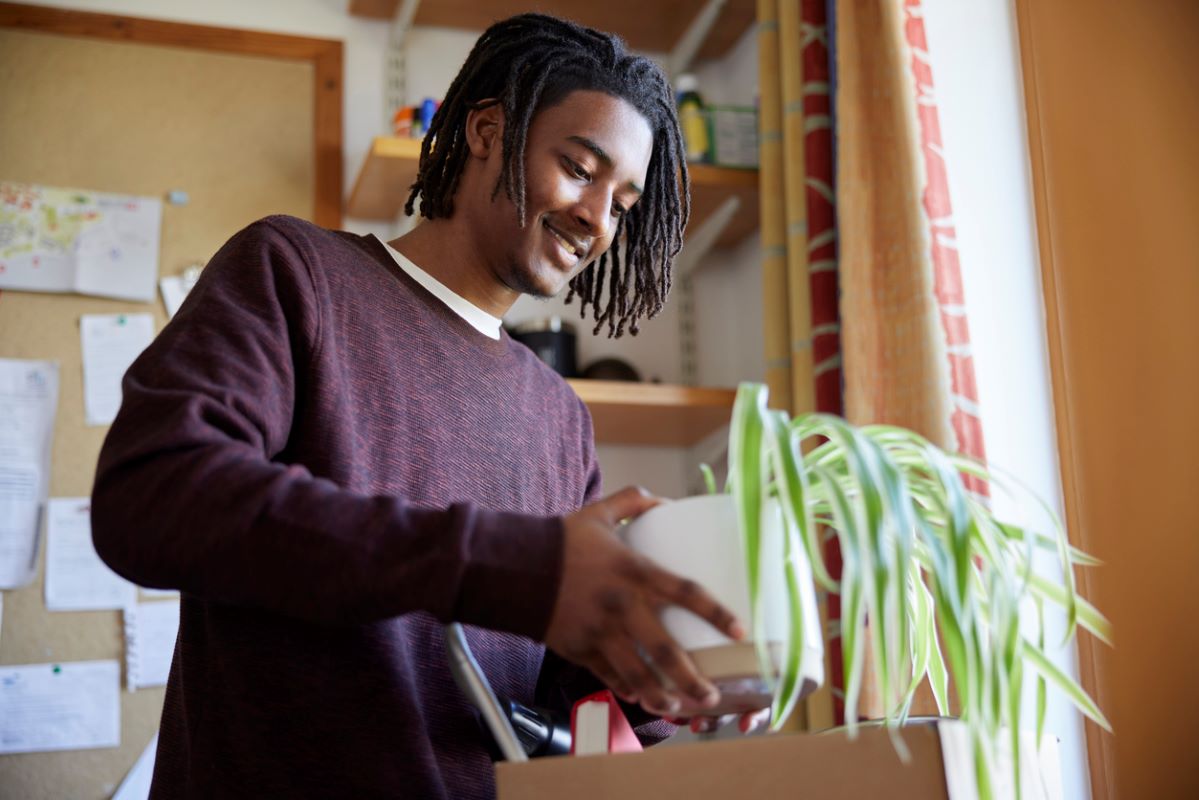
{"type": "Point", "coordinates": [395, 87]}
{"type": "Point", "coordinates": [700, 243]}
{"type": "Point", "coordinates": [693, 38]}
{"type": "Point", "coordinates": [395, 76]}
{"type": "Point", "coordinates": [696, 246]}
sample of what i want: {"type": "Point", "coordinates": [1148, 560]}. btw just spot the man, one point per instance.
{"type": "Point", "coordinates": [333, 449]}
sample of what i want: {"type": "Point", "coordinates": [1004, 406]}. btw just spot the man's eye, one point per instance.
{"type": "Point", "coordinates": [618, 210]}
{"type": "Point", "coordinates": [577, 170]}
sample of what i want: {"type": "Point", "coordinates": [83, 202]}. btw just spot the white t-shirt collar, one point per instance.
{"type": "Point", "coordinates": [476, 317]}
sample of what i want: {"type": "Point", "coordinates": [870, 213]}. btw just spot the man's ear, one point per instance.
{"type": "Point", "coordinates": [484, 129]}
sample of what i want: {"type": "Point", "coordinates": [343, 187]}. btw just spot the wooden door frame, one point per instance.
{"type": "Point", "coordinates": [325, 55]}
{"type": "Point", "coordinates": [1101, 758]}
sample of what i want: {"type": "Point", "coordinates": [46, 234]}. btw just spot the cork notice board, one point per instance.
{"type": "Point", "coordinates": [246, 124]}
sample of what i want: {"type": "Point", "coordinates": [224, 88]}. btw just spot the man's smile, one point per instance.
{"type": "Point", "coordinates": [572, 245]}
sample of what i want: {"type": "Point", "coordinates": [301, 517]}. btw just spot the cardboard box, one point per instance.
{"type": "Point", "coordinates": [826, 766]}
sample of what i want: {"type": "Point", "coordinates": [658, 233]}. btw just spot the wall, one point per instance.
{"type": "Point", "coordinates": [976, 74]}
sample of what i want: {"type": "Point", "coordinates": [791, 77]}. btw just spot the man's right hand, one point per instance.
{"type": "Point", "coordinates": [607, 617]}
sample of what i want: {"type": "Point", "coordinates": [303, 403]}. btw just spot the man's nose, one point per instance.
{"type": "Point", "coordinates": [593, 213]}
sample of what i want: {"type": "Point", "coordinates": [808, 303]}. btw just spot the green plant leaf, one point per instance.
{"type": "Point", "coordinates": [1017, 488]}
{"type": "Point", "coordinates": [862, 467]}
{"type": "Point", "coordinates": [793, 492]}
{"type": "Point", "coordinates": [938, 679]}
{"type": "Point", "coordinates": [852, 608]}
{"type": "Point", "coordinates": [1041, 705]}
{"type": "Point", "coordinates": [1077, 557]}
{"type": "Point", "coordinates": [1088, 616]}
{"type": "Point", "coordinates": [1075, 693]}
{"type": "Point", "coordinates": [746, 471]}
{"type": "Point", "coordinates": [941, 581]}
{"type": "Point", "coordinates": [790, 684]}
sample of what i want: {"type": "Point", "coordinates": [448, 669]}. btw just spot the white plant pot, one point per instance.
{"type": "Point", "coordinates": [697, 538]}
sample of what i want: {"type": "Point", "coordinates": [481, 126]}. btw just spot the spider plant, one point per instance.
{"type": "Point", "coordinates": [939, 578]}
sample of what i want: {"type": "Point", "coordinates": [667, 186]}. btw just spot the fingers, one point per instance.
{"type": "Point", "coordinates": [642, 681]}
{"type": "Point", "coordinates": [752, 720]}
{"type": "Point", "coordinates": [746, 723]}
{"type": "Point", "coordinates": [601, 668]}
{"type": "Point", "coordinates": [631, 501]}
{"type": "Point", "coordinates": [709, 724]}
{"type": "Point", "coordinates": [693, 597]}
{"type": "Point", "coordinates": [669, 662]}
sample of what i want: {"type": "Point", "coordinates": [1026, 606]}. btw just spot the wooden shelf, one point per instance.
{"type": "Point", "coordinates": [381, 188]}
{"type": "Point", "coordinates": [390, 168]}
{"type": "Point", "coordinates": [655, 26]}
{"type": "Point", "coordinates": [711, 186]}
{"type": "Point", "coordinates": [653, 413]}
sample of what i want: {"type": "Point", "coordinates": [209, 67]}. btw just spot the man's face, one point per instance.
{"type": "Point", "coordinates": [585, 164]}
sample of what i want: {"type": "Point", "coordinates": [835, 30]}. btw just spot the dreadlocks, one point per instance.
{"type": "Point", "coordinates": [531, 62]}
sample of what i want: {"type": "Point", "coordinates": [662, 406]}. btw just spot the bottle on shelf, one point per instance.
{"type": "Point", "coordinates": [692, 118]}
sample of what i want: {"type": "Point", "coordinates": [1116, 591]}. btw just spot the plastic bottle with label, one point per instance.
{"type": "Point", "coordinates": [692, 119]}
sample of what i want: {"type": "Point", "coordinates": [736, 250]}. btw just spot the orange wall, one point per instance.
{"type": "Point", "coordinates": [1112, 90]}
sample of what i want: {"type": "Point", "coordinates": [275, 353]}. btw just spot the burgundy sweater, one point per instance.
{"type": "Point", "coordinates": [330, 464]}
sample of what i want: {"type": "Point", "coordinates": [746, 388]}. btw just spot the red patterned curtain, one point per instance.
{"type": "Point", "coordinates": [947, 273]}
{"type": "Point", "coordinates": [799, 235]}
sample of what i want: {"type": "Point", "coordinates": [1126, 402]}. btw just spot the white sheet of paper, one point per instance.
{"type": "Point", "coordinates": [150, 632]}
{"type": "Point", "coordinates": [110, 344]}
{"type": "Point", "coordinates": [28, 403]}
{"type": "Point", "coordinates": [120, 258]}
{"type": "Point", "coordinates": [74, 705]}
{"type": "Point", "coordinates": [173, 292]}
{"type": "Point", "coordinates": [159, 592]}
{"type": "Point", "coordinates": [136, 785]}
{"type": "Point", "coordinates": [76, 578]}
{"type": "Point", "coordinates": [61, 240]}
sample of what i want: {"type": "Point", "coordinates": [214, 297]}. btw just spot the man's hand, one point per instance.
{"type": "Point", "coordinates": [608, 613]}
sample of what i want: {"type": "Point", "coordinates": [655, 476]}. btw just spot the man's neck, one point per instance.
{"type": "Point", "coordinates": [441, 248]}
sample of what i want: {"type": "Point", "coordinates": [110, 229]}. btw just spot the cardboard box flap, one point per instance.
{"type": "Point", "coordinates": [829, 766]}
{"type": "Point", "coordinates": [825, 766]}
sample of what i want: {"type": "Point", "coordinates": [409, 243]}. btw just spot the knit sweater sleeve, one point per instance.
{"type": "Point", "coordinates": [191, 492]}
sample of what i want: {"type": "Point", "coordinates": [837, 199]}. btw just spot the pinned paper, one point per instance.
{"type": "Point", "coordinates": [28, 403]}
{"type": "Point", "coordinates": [76, 240]}
{"type": "Point", "coordinates": [175, 288]}
{"type": "Point", "coordinates": [150, 633]}
{"type": "Point", "coordinates": [136, 785]}
{"type": "Point", "coordinates": [111, 342]}
{"type": "Point", "coordinates": [76, 578]}
{"type": "Point", "coordinates": [69, 706]}
{"type": "Point", "coordinates": [173, 293]}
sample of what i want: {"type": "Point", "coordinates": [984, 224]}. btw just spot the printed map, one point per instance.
{"type": "Point", "coordinates": [73, 240]}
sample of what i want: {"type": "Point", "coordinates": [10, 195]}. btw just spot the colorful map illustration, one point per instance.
{"type": "Point", "coordinates": [74, 240]}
